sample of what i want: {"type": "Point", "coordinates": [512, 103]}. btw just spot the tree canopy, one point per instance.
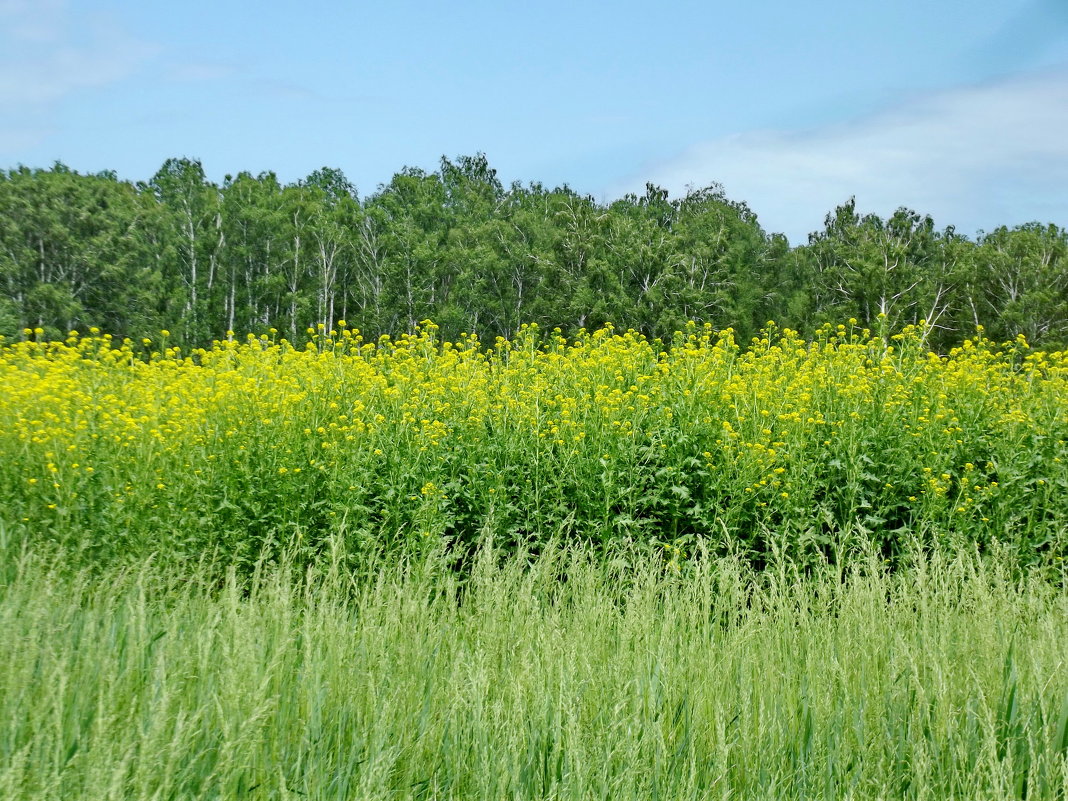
{"type": "Point", "coordinates": [458, 247]}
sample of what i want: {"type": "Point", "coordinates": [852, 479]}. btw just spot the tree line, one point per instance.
{"type": "Point", "coordinates": [458, 247]}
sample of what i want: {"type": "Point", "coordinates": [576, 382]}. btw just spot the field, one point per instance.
{"type": "Point", "coordinates": [538, 568]}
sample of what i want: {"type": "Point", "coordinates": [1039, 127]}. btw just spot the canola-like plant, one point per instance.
{"type": "Point", "coordinates": [788, 446]}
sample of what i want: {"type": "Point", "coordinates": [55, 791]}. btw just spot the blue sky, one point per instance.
{"type": "Point", "coordinates": [957, 109]}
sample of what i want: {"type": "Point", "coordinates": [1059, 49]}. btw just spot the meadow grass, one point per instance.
{"type": "Point", "coordinates": [571, 674]}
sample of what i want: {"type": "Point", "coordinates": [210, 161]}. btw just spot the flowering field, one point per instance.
{"type": "Point", "coordinates": [599, 569]}
{"type": "Point", "coordinates": [787, 446]}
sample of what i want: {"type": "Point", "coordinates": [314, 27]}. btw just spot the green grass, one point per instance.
{"type": "Point", "coordinates": [565, 675]}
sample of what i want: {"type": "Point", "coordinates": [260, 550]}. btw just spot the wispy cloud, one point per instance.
{"type": "Point", "coordinates": [49, 52]}
{"type": "Point", "coordinates": [200, 71]}
{"type": "Point", "coordinates": [975, 157]}
{"type": "Point", "coordinates": [16, 138]}
{"type": "Point", "coordinates": [1025, 39]}
{"type": "Point", "coordinates": [33, 20]}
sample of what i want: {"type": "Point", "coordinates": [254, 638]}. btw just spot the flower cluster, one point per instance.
{"type": "Point", "coordinates": [788, 442]}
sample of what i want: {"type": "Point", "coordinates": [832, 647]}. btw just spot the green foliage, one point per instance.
{"type": "Point", "coordinates": [458, 247]}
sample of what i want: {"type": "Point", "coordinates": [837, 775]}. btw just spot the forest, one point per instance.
{"type": "Point", "coordinates": [456, 246]}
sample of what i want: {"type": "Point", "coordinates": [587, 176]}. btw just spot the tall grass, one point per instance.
{"type": "Point", "coordinates": [566, 675]}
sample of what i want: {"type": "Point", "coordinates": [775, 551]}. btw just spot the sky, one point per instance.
{"type": "Point", "coordinates": [953, 108]}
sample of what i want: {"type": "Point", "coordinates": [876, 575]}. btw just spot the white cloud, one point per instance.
{"type": "Point", "coordinates": [201, 71]}
{"type": "Point", "coordinates": [47, 53]}
{"type": "Point", "coordinates": [15, 138]}
{"type": "Point", "coordinates": [33, 20]}
{"type": "Point", "coordinates": [974, 157]}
